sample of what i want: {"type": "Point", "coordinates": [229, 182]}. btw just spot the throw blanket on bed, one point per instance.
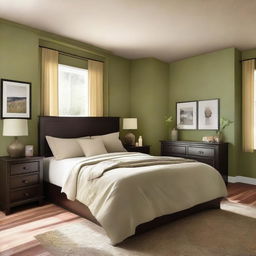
{"type": "Point", "coordinates": [123, 190]}
{"type": "Point", "coordinates": [97, 167]}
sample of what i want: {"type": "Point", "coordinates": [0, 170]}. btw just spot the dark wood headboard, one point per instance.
{"type": "Point", "coordinates": [73, 127]}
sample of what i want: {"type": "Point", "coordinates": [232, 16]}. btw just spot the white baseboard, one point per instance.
{"type": "Point", "coordinates": [242, 179]}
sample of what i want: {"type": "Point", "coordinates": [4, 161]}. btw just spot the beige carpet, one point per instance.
{"type": "Point", "coordinates": [209, 233]}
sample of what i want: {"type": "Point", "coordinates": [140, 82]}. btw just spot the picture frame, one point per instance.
{"type": "Point", "coordinates": [29, 150]}
{"type": "Point", "coordinates": [16, 99]}
{"type": "Point", "coordinates": [208, 114]}
{"type": "Point", "coordinates": [186, 115]}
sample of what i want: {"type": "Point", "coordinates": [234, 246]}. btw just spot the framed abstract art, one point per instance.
{"type": "Point", "coordinates": [186, 115]}
{"type": "Point", "coordinates": [208, 114]}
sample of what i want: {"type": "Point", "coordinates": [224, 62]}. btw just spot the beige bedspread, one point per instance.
{"type": "Point", "coordinates": [123, 190]}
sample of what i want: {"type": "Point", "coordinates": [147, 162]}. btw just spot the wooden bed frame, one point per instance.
{"type": "Point", "coordinates": [73, 127]}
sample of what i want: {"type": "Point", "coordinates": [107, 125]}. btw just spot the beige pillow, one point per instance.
{"type": "Point", "coordinates": [92, 147]}
{"type": "Point", "coordinates": [64, 148]}
{"type": "Point", "coordinates": [111, 142]}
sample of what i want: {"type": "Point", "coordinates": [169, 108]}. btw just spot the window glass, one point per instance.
{"type": "Point", "coordinates": [73, 91]}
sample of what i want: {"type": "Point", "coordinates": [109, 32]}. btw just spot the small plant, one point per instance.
{"type": "Point", "coordinates": [224, 122]}
{"type": "Point", "coordinates": [168, 120]}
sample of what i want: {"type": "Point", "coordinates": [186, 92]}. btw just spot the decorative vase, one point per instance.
{"type": "Point", "coordinates": [174, 135]}
{"type": "Point", "coordinates": [129, 139]}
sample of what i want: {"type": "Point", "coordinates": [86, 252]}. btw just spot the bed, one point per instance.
{"type": "Point", "coordinates": [73, 127]}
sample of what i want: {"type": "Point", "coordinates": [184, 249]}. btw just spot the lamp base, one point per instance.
{"type": "Point", "coordinates": [16, 149]}
{"type": "Point", "coordinates": [129, 139]}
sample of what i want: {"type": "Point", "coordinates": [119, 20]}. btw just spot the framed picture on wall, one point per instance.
{"type": "Point", "coordinates": [186, 115]}
{"type": "Point", "coordinates": [208, 114]}
{"type": "Point", "coordinates": [16, 99]}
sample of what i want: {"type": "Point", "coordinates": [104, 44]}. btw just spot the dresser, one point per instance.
{"type": "Point", "coordinates": [21, 181]}
{"type": "Point", "coordinates": [214, 154]}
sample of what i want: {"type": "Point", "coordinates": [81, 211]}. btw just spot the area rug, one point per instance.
{"type": "Point", "coordinates": [243, 209]}
{"type": "Point", "coordinates": [208, 233]}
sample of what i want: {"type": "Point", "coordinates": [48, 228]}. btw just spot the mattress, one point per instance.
{"type": "Point", "coordinates": [57, 171]}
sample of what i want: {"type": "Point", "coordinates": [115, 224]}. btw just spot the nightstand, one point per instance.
{"type": "Point", "coordinates": [142, 149]}
{"type": "Point", "coordinates": [21, 181]}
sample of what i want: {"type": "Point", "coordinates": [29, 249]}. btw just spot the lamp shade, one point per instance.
{"type": "Point", "coordinates": [15, 127]}
{"type": "Point", "coordinates": [129, 123]}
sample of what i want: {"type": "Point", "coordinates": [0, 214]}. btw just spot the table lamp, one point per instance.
{"type": "Point", "coordinates": [15, 127]}
{"type": "Point", "coordinates": [129, 124]}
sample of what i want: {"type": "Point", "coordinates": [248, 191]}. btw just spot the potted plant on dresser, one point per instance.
{"type": "Point", "coordinates": [224, 123]}
{"type": "Point", "coordinates": [173, 132]}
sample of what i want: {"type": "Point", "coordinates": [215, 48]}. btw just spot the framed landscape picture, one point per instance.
{"type": "Point", "coordinates": [208, 114]}
{"type": "Point", "coordinates": [186, 115]}
{"type": "Point", "coordinates": [16, 99]}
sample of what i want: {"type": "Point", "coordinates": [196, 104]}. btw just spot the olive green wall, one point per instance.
{"type": "Point", "coordinates": [208, 76]}
{"type": "Point", "coordinates": [149, 100]}
{"type": "Point", "coordinates": [248, 54]}
{"type": "Point", "coordinates": [247, 164]}
{"type": "Point", "coordinates": [146, 88]}
{"type": "Point", "coordinates": [70, 61]}
{"type": "Point", "coordinates": [119, 87]}
{"type": "Point", "coordinates": [20, 60]}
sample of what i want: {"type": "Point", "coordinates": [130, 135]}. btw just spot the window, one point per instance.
{"type": "Point", "coordinates": [73, 91]}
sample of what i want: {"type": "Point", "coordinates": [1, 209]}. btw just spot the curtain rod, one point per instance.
{"type": "Point", "coordinates": [248, 59]}
{"type": "Point", "coordinates": [70, 54]}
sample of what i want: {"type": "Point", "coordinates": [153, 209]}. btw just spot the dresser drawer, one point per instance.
{"type": "Point", "coordinates": [24, 180]}
{"type": "Point", "coordinates": [203, 152]}
{"type": "Point", "coordinates": [214, 154]}
{"type": "Point", "coordinates": [208, 161]}
{"type": "Point", "coordinates": [24, 168]}
{"type": "Point", "coordinates": [170, 150]}
{"type": "Point", "coordinates": [24, 194]}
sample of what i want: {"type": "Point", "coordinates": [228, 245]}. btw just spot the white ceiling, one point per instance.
{"type": "Point", "coordinates": [165, 29]}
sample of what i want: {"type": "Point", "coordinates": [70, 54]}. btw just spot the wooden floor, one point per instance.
{"type": "Point", "coordinates": [242, 193]}
{"type": "Point", "coordinates": [17, 230]}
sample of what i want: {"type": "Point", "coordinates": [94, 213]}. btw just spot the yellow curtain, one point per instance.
{"type": "Point", "coordinates": [49, 89]}
{"type": "Point", "coordinates": [95, 84]}
{"type": "Point", "coordinates": [248, 68]}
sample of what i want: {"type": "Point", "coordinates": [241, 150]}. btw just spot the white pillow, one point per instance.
{"type": "Point", "coordinates": [64, 148]}
{"type": "Point", "coordinates": [92, 147]}
{"type": "Point", "coordinates": [111, 142]}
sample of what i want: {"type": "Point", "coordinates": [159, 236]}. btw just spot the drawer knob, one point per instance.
{"type": "Point", "coordinates": [26, 194]}
{"type": "Point", "coordinates": [24, 168]}
{"type": "Point", "coordinates": [25, 181]}
{"type": "Point", "coordinates": [201, 152]}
